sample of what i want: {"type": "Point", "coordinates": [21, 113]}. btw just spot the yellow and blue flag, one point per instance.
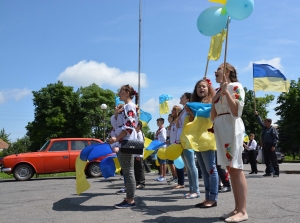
{"type": "Point", "coordinates": [268, 78]}
{"type": "Point", "coordinates": [195, 134]}
{"type": "Point", "coordinates": [215, 48]}
{"type": "Point", "coordinates": [145, 117]}
{"type": "Point", "coordinates": [163, 103]}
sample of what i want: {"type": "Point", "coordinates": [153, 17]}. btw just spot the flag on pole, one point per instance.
{"type": "Point", "coordinates": [163, 103]}
{"type": "Point", "coordinates": [215, 48]}
{"type": "Point", "coordinates": [268, 78]}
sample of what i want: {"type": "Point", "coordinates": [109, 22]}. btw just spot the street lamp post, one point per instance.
{"type": "Point", "coordinates": [103, 107]}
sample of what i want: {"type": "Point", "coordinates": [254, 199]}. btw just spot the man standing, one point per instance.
{"type": "Point", "coordinates": [251, 147]}
{"type": "Point", "coordinates": [269, 139]}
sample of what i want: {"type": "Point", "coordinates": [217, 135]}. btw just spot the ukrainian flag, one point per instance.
{"type": "Point", "coordinates": [268, 78]}
{"type": "Point", "coordinates": [145, 117]}
{"type": "Point", "coordinates": [194, 134]}
{"type": "Point", "coordinates": [163, 103]}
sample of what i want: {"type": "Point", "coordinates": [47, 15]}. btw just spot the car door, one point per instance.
{"type": "Point", "coordinates": [57, 157]}
{"type": "Point", "coordinates": [76, 147]}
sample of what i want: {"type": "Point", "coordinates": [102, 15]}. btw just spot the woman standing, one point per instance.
{"type": "Point", "coordinates": [227, 107]}
{"type": "Point", "coordinates": [206, 156]}
{"type": "Point", "coordinates": [139, 173]}
{"type": "Point", "coordinates": [173, 135]}
{"type": "Point", "coordinates": [129, 121]}
{"type": "Point", "coordinates": [188, 153]}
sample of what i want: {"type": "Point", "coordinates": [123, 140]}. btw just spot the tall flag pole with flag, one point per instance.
{"type": "Point", "coordinates": [215, 48]}
{"type": "Point", "coordinates": [268, 78]}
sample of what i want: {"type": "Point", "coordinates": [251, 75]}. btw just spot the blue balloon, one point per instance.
{"type": "Point", "coordinates": [239, 9]}
{"type": "Point", "coordinates": [179, 163]}
{"type": "Point", "coordinates": [211, 21]}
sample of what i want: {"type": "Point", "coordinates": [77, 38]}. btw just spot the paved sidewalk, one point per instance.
{"type": "Point", "coordinates": [55, 200]}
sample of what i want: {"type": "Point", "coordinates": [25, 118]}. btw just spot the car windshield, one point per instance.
{"type": "Point", "coordinates": [44, 147]}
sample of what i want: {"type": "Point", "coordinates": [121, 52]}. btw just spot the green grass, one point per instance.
{"type": "Point", "coordinates": [67, 174]}
{"type": "Point", "coordinates": [290, 158]}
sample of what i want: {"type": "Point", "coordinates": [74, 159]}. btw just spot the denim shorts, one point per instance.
{"type": "Point", "coordinates": [170, 161]}
{"type": "Point", "coordinates": [161, 161]}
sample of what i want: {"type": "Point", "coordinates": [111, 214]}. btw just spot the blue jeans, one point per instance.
{"type": "Point", "coordinates": [207, 163]}
{"type": "Point", "coordinates": [192, 172]}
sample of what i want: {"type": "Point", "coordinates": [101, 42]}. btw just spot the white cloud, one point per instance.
{"type": "Point", "coordinates": [14, 94]}
{"type": "Point", "coordinates": [150, 106]}
{"type": "Point", "coordinates": [85, 73]}
{"type": "Point", "coordinates": [275, 62]}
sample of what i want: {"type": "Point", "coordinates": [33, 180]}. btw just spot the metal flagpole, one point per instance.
{"type": "Point", "coordinates": [139, 62]}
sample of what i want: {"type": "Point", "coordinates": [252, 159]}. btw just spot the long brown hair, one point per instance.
{"type": "Point", "coordinates": [232, 70]}
{"type": "Point", "coordinates": [208, 97]}
{"type": "Point", "coordinates": [178, 110]}
{"type": "Point", "coordinates": [132, 92]}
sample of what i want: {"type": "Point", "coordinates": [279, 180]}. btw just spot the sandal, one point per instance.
{"type": "Point", "coordinates": [178, 186]}
{"type": "Point", "coordinates": [192, 196]}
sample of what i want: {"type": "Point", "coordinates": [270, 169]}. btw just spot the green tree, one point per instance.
{"type": "Point", "coordinates": [289, 110]}
{"type": "Point", "coordinates": [56, 113]}
{"type": "Point", "coordinates": [94, 118]}
{"type": "Point", "coordinates": [4, 136]}
{"type": "Point", "coordinates": [148, 134]}
{"type": "Point", "coordinates": [251, 125]}
{"type": "Point", "coordinates": [21, 145]}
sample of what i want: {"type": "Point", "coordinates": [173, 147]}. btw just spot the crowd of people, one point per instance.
{"type": "Point", "coordinates": [216, 163]}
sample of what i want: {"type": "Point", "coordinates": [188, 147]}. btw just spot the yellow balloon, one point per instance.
{"type": "Point", "coordinates": [161, 153]}
{"type": "Point", "coordinates": [173, 151]}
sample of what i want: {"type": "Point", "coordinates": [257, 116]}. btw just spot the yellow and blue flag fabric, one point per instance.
{"type": "Point", "coordinates": [246, 138]}
{"type": "Point", "coordinates": [268, 78]}
{"type": "Point", "coordinates": [145, 117]}
{"type": "Point", "coordinates": [147, 152]}
{"type": "Point", "coordinates": [195, 134]}
{"type": "Point", "coordinates": [90, 153]}
{"type": "Point", "coordinates": [118, 101]}
{"type": "Point", "coordinates": [215, 48]}
{"type": "Point", "coordinates": [223, 2]}
{"type": "Point", "coordinates": [163, 103]}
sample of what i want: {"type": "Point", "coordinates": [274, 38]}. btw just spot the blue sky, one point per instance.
{"type": "Point", "coordinates": [96, 41]}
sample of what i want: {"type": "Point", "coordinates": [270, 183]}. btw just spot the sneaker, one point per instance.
{"type": "Point", "coordinates": [161, 179]}
{"type": "Point", "coordinates": [157, 179]}
{"type": "Point", "coordinates": [175, 181]}
{"type": "Point", "coordinates": [267, 175]}
{"type": "Point", "coordinates": [275, 175]}
{"type": "Point", "coordinates": [171, 179]}
{"type": "Point", "coordinates": [225, 189]}
{"type": "Point", "coordinates": [124, 204]}
{"type": "Point", "coordinates": [121, 191]}
{"type": "Point", "coordinates": [140, 186]}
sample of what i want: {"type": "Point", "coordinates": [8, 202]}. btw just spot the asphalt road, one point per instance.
{"type": "Point", "coordinates": [55, 200]}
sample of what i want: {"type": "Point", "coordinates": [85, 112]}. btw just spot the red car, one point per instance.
{"type": "Point", "coordinates": [56, 156]}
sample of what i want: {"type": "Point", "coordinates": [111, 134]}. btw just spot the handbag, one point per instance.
{"type": "Point", "coordinates": [132, 147]}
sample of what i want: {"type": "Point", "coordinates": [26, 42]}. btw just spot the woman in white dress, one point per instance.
{"type": "Point", "coordinates": [227, 107]}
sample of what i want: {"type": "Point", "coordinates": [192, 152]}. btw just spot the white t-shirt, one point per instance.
{"type": "Point", "coordinates": [252, 146]}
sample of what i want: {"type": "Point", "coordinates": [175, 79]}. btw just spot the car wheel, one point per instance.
{"type": "Point", "coordinates": [23, 172]}
{"type": "Point", "coordinates": [93, 170]}
{"type": "Point", "coordinates": [245, 160]}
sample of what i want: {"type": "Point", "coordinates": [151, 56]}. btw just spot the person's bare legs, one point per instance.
{"type": "Point", "coordinates": [163, 169]}
{"type": "Point", "coordinates": [239, 186]}
{"type": "Point", "coordinates": [233, 185]}
{"type": "Point", "coordinates": [173, 170]}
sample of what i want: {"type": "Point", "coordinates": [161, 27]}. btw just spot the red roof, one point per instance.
{"type": "Point", "coordinates": [3, 145]}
